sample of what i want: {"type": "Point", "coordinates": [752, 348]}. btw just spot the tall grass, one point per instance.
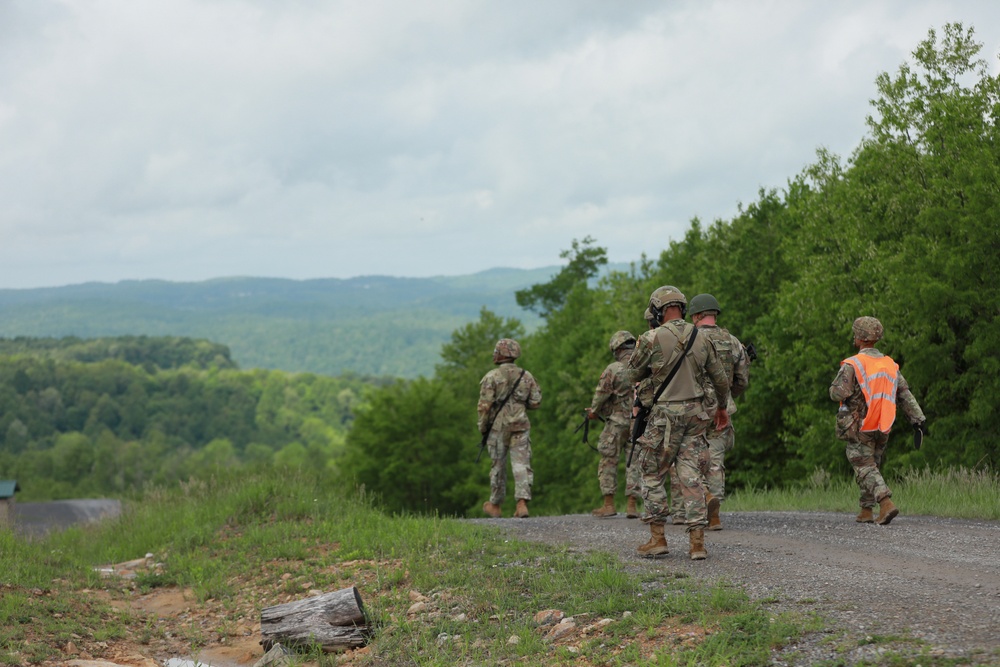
{"type": "Point", "coordinates": [960, 493]}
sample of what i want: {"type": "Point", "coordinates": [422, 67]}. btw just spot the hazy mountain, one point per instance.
{"type": "Point", "coordinates": [373, 325]}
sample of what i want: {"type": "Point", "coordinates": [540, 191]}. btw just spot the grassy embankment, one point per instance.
{"type": "Point", "coordinates": [238, 545]}
{"type": "Point", "coordinates": [960, 493]}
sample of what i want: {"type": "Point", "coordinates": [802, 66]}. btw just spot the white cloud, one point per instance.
{"type": "Point", "coordinates": [187, 139]}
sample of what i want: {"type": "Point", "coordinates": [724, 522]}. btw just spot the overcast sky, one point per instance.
{"type": "Point", "coordinates": [194, 139]}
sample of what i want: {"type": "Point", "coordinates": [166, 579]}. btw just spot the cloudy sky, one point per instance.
{"type": "Point", "coordinates": [193, 139]}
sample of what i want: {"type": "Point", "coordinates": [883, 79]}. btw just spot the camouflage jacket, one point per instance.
{"type": "Point", "coordinates": [613, 396]}
{"type": "Point", "coordinates": [656, 352]}
{"type": "Point", "coordinates": [495, 386]}
{"type": "Point", "coordinates": [734, 360]}
{"type": "Point", "coordinates": [845, 388]}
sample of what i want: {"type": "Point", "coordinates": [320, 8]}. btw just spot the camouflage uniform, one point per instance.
{"type": "Point", "coordinates": [865, 449]}
{"type": "Point", "coordinates": [679, 420]}
{"type": "Point", "coordinates": [613, 401]}
{"type": "Point", "coordinates": [720, 443]}
{"type": "Point", "coordinates": [511, 428]}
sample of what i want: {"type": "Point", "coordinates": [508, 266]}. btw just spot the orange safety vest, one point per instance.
{"type": "Point", "coordinates": [878, 379]}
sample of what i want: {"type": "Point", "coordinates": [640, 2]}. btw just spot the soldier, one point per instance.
{"type": "Point", "coordinates": [682, 364]}
{"type": "Point", "coordinates": [704, 310]}
{"type": "Point", "coordinates": [613, 401]}
{"type": "Point", "coordinates": [869, 387]}
{"type": "Point", "coordinates": [504, 394]}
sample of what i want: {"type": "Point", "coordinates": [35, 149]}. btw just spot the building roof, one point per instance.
{"type": "Point", "coordinates": [8, 487]}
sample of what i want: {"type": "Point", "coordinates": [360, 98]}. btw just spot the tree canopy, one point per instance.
{"type": "Point", "coordinates": [906, 229]}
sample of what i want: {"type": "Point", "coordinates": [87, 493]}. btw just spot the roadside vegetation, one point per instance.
{"type": "Point", "coordinates": [230, 546]}
{"type": "Point", "coordinates": [240, 544]}
{"type": "Point", "coordinates": [959, 493]}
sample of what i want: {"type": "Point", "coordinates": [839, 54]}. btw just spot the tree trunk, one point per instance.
{"type": "Point", "coordinates": [334, 620]}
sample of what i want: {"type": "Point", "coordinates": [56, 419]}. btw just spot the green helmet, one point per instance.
{"type": "Point", "coordinates": [668, 295]}
{"type": "Point", "coordinates": [703, 303]}
{"type": "Point", "coordinates": [621, 338]}
{"type": "Point", "coordinates": [507, 349]}
{"type": "Point", "coordinates": [867, 329]}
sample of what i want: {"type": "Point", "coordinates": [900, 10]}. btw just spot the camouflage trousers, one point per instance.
{"type": "Point", "coordinates": [866, 459]}
{"type": "Point", "coordinates": [720, 443]}
{"type": "Point", "coordinates": [675, 436]}
{"type": "Point", "coordinates": [614, 441]}
{"type": "Point", "coordinates": [518, 445]}
{"type": "Point", "coordinates": [712, 467]}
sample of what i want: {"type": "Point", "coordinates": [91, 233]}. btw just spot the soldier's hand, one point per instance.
{"type": "Point", "coordinates": [590, 413]}
{"type": "Point", "coordinates": [721, 419]}
{"type": "Point", "coordinates": [923, 427]}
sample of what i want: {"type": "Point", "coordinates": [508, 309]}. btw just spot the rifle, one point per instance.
{"type": "Point", "coordinates": [586, 429]}
{"type": "Point", "coordinates": [639, 425]}
{"type": "Point", "coordinates": [489, 427]}
{"type": "Point", "coordinates": [751, 352]}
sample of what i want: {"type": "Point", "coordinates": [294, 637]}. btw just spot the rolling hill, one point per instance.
{"type": "Point", "coordinates": [370, 325]}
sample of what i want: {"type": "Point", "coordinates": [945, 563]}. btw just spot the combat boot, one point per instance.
{"type": "Point", "coordinates": [607, 509]}
{"type": "Point", "coordinates": [491, 509]}
{"type": "Point", "coordinates": [887, 511]}
{"type": "Point", "coordinates": [714, 522]}
{"type": "Point", "coordinates": [631, 511]}
{"type": "Point", "coordinates": [657, 545]}
{"type": "Point", "coordinates": [697, 538]}
{"type": "Point", "coordinates": [521, 511]}
{"type": "Point", "coordinates": [865, 516]}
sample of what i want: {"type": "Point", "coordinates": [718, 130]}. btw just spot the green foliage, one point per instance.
{"type": "Point", "coordinates": [152, 353]}
{"type": "Point", "coordinates": [413, 443]}
{"type": "Point", "coordinates": [907, 229]}
{"type": "Point", "coordinates": [585, 260]}
{"type": "Point", "coordinates": [318, 326]}
{"type": "Point", "coordinates": [409, 445]}
{"type": "Point", "coordinates": [247, 540]}
{"type": "Point", "coordinates": [78, 420]}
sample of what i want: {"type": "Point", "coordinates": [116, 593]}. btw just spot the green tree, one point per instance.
{"type": "Point", "coordinates": [585, 260]}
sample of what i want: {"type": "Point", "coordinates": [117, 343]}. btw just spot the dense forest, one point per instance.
{"type": "Point", "coordinates": [329, 326]}
{"type": "Point", "coordinates": [906, 229]}
{"type": "Point", "coordinates": [84, 418]}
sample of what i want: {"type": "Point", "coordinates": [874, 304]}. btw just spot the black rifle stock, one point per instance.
{"type": "Point", "coordinates": [496, 413]}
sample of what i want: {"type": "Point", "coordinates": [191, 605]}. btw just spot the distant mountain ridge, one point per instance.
{"type": "Point", "coordinates": [370, 325]}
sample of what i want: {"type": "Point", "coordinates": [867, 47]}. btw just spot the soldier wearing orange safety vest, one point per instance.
{"type": "Point", "coordinates": [870, 389]}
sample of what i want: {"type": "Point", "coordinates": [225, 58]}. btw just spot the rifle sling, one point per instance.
{"type": "Point", "coordinates": [504, 401]}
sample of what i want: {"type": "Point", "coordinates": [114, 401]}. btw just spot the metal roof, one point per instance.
{"type": "Point", "coordinates": [8, 487]}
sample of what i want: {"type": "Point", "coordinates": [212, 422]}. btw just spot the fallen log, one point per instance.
{"type": "Point", "coordinates": [335, 621]}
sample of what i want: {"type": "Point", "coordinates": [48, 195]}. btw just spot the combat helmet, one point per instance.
{"type": "Point", "coordinates": [507, 349]}
{"type": "Point", "coordinates": [867, 329]}
{"type": "Point", "coordinates": [703, 303]}
{"type": "Point", "coordinates": [668, 295]}
{"type": "Point", "coordinates": [621, 339]}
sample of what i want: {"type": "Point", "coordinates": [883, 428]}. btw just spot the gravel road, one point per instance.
{"type": "Point", "coordinates": [933, 582]}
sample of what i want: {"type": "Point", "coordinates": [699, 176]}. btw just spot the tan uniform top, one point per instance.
{"type": "Point", "coordinates": [656, 352]}
{"type": "Point", "coordinates": [495, 386]}
{"type": "Point", "coordinates": [613, 395]}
